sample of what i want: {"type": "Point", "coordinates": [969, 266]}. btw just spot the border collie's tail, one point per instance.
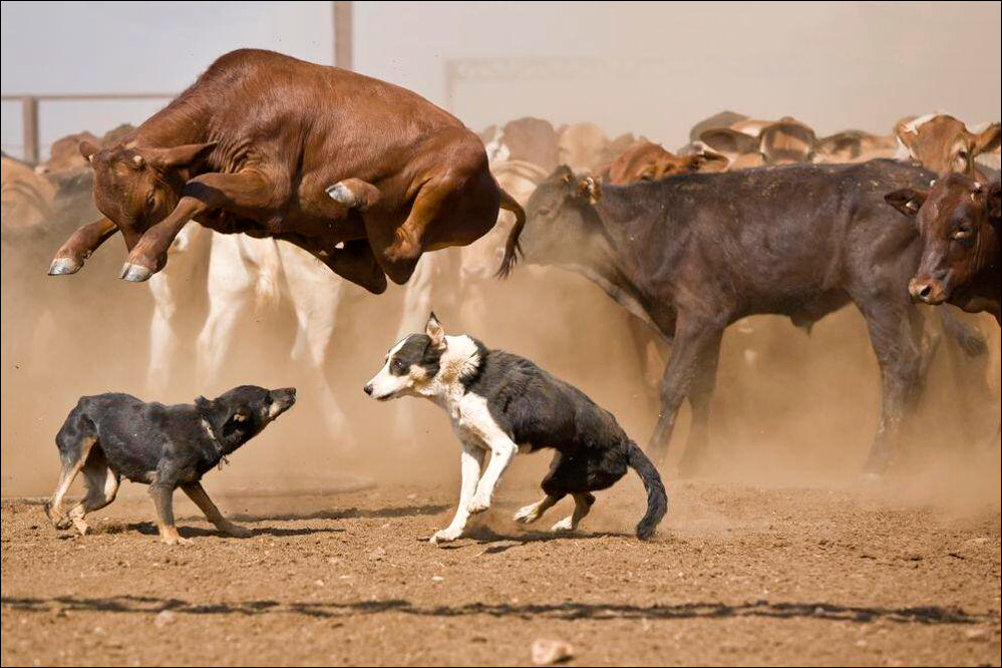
{"type": "Point", "coordinates": [512, 249]}
{"type": "Point", "coordinates": [657, 498]}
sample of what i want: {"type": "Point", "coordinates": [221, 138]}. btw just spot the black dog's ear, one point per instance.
{"type": "Point", "coordinates": [203, 405]}
{"type": "Point", "coordinates": [907, 200]}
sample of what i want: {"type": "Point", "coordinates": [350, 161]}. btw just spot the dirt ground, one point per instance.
{"type": "Point", "coordinates": [740, 574]}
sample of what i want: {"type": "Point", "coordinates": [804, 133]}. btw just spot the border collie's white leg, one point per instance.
{"type": "Point", "coordinates": [502, 452]}
{"type": "Point", "coordinates": [471, 461]}
{"type": "Point", "coordinates": [582, 504]}
{"type": "Point", "coordinates": [532, 512]}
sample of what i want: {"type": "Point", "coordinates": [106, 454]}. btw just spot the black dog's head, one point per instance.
{"type": "Point", "coordinates": [240, 414]}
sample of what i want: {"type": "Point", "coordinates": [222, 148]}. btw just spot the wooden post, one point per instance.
{"type": "Point", "coordinates": [29, 123]}
{"type": "Point", "coordinates": [343, 33]}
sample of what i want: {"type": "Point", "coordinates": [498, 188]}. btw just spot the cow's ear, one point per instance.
{"type": "Point", "coordinates": [433, 328]}
{"type": "Point", "coordinates": [988, 139]}
{"type": "Point", "coordinates": [187, 155]}
{"type": "Point", "coordinates": [906, 200]}
{"type": "Point", "coordinates": [589, 189]}
{"type": "Point", "coordinates": [88, 150]}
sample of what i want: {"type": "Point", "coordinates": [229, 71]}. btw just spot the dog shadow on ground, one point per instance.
{"type": "Point", "coordinates": [346, 514]}
{"type": "Point", "coordinates": [497, 543]}
{"type": "Point", "coordinates": [148, 605]}
{"type": "Point", "coordinates": [150, 529]}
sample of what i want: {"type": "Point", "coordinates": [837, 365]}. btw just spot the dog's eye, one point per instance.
{"type": "Point", "coordinates": [397, 365]}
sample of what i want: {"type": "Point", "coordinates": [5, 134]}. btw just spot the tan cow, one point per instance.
{"type": "Point", "coordinates": [945, 144]}
{"type": "Point", "coordinates": [647, 161]}
{"type": "Point", "coordinates": [27, 196]}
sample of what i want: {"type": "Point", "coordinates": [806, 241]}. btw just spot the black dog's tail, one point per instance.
{"type": "Point", "coordinates": [657, 498]}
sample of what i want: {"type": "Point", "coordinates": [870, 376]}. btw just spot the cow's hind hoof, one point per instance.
{"type": "Point", "coordinates": [135, 273]}
{"type": "Point", "coordinates": [64, 266]}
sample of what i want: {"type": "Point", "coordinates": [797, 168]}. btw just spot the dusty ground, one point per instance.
{"type": "Point", "coordinates": [739, 574]}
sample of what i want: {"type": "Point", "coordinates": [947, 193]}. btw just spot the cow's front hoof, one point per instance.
{"type": "Point", "coordinates": [64, 266]}
{"type": "Point", "coordinates": [135, 273]}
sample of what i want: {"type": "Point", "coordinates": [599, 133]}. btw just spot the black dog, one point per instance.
{"type": "Point", "coordinates": [503, 404]}
{"type": "Point", "coordinates": [113, 435]}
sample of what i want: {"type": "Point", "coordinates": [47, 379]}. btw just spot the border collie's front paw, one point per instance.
{"type": "Point", "coordinates": [478, 504]}
{"type": "Point", "coordinates": [445, 536]}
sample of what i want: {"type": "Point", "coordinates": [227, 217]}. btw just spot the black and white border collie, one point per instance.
{"type": "Point", "coordinates": [503, 404]}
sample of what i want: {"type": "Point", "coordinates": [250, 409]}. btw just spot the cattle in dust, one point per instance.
{"type": "Point", "coordinates": [377, 179]}
{"type": "Point", "coordinates": [692, 254]}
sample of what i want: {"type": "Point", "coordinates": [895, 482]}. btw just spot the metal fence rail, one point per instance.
{"type": "Point", "coordinates": [30, 104]}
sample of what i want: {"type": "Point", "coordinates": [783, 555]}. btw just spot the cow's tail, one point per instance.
{"type": "Point", "coordinates": [970, 340]}
{"type": "Point", "coordinates": [657, 498]}
{"type": "Point", "coordinates": [512, 249]}
{"type": "Point", "coordinates": [267, 291]}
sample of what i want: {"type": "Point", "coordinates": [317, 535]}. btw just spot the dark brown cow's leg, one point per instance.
{"type": "Point", "coordinates": [233, 192]}
{"type": "Point", "coordinates": [899, 354]}
{"type": "Point", "coordinates": [695, 340]}
{"type": "Point", "coordinates": [71, 255]}
{"type": "Point", "coordinates": [700, 395]}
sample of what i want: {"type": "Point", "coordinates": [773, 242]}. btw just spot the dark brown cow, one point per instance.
{"type": "Point", "coordinates": [647, 161]}
{"type": "Point", "coordinates": [958, 219]}
{"type": "Point", "coordinates": [364, 175]}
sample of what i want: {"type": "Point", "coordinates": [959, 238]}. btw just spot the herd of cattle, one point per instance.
{"type": "Point", "coordinates": [686, 256]}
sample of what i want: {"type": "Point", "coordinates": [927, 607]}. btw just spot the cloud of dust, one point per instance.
{"type": "Point", "coordinates": [791, 408]}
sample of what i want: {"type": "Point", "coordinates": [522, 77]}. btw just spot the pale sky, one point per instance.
{"type": "Point", "coordinates": [646, 67]}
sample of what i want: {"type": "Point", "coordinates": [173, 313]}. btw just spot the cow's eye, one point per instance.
{"type": "Point", "coordinates": [962, 233]}
{"type": "Point", "coordinates": [543, 211]}
{"type": "Point", "coordinates": [151, 202]}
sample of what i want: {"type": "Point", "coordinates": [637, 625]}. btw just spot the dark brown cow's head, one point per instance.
{"type": "Point", "coordinates": [944, 144]}
{"type": "Point", "coordinates": [134, 188]}
{"type": "Point", "coordinates": [560, 227]}
{"type": "Point", "coordinates": [958, 220]}
{"type": "Point", "coordinates": [647, 161]}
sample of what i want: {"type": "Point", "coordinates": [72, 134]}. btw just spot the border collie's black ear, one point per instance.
{"type": "Point", "coordinates": [907, 200]}
{"type": "Point", "coordinates": [433, 328]}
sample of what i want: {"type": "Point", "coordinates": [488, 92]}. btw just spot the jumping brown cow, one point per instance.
{"type": "Point", "coordinates": [364, 175]}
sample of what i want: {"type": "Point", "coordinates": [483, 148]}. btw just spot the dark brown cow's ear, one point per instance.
{"type": "Point", "coordinates": [176, 157]}
{"type": "Point", "coordinates": [88, 150]}
{"type": "Point", "coordinates": [906, 200]}
{"type": "Point", "coordinates": [988, 140]}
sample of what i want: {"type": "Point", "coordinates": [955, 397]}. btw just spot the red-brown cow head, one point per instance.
{"type": "Point", "coordinates": [944, 144]}
{"type": "Point", "coordinates": [958, 220]}
{"type": "Point", "coordinates": [647, 161]}
{"type": "Point", "coordinates": [135, 188]}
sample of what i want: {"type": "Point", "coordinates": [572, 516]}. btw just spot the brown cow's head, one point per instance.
{"type": "Point", "coordinates": [561, 227]}
{"type": "Point", "coordinates": [958, 220]}
{"type": "Point", "coordinates": [944, 144]}
{"type": "Point", "coordinates": [647, 161]}
{"type": "Point", "coordinates": [136, 187]}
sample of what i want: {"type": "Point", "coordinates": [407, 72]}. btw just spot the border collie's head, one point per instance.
{"type": "Point", "coordinates": [424, 364]}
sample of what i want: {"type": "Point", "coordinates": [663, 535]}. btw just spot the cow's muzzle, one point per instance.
{"type": "Point", "coordinates": [927, 290]}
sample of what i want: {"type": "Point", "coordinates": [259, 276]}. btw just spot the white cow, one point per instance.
{"type": "Point", "coordinates": [244, 274]}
